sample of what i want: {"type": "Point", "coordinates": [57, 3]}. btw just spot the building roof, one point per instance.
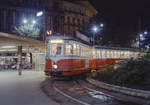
{"type": "Point", "coordinates": [27, 43]}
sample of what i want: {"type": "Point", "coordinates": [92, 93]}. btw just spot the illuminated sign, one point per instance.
{"type": "Point", "coordinates": [56, 41]}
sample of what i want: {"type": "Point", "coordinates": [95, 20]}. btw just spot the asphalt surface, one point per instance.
{"type": "Point", "coordinates": [79, 90]}
{"type": "Point", "coordinates": [22, 90]}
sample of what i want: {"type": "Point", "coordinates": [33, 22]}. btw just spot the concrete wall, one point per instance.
{"type": "Point", "coordinates": [123, 90]}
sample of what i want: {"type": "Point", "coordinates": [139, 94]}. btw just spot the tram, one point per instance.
{"type": "Point", "coordinates": [68, 56]}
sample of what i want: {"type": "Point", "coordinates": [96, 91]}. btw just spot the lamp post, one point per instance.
{"type": "Point", "coordinates": [96, 29]}
{"type": "Point", "coordinates": [42, 14]}
{"type": "Point", "coordinates": [140, 36]}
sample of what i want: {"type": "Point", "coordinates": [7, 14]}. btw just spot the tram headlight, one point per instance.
{"type": "Point", "coordinates": [55, 66]}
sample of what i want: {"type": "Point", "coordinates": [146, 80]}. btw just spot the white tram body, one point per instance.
{"type": "Point", "coordinates": [68, 56]}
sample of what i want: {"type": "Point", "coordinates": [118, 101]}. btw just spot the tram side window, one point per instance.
{"type": "Point", "coordinates": [106, 54]}
{"type": "Point", "coordinates": [76, 50]}
{"type": "Point", "coordinates": [96, 53]}
{"type": "Point", "coordinates": [122, 54]}
{"type": "Point", "coordinates": [56, 49]}
{"type": "Point", "coordinates": [111, 55]}
{"type": "Point", "coordinates": [82, 51]}
{"type": "Point", "coordinates": [103, 54]}
{"type": "Point", "coordinates": [115, 54]}
{"type": "Point", "coordinates": [119, 54]}
{"type": "Point", "coordinates": [99, 54]}
{"type": "Point", "coordinates": [68, 49]}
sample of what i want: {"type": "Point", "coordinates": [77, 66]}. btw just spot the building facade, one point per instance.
{"type": "Point", "coordinates": [59, 16]}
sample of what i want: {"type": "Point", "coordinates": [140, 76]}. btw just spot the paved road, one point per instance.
{"type": "Point", "coordinates": [24, 90]}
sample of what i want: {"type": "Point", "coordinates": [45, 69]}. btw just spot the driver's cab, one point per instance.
{"type": "Point", "coordinates": [58, 47]}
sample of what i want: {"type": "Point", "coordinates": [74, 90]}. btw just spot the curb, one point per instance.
{"type": "Point", "coordinates": [123, 90]}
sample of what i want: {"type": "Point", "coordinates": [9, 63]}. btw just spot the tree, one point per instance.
{"type": "Point", "coordinates": [27, 30]}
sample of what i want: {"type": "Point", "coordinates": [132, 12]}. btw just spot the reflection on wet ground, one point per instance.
{"type": "Point", "coordinates": [100, 96]}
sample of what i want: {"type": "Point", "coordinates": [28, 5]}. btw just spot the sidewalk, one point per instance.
{"type": "Point", "coordinates": [23, 90]}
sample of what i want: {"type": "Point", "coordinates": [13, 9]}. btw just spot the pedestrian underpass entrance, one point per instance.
{"type": "Point", "coordinates": [17, 53]}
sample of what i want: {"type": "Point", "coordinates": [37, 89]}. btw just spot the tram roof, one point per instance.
{"type": "Point", "coordinates": [116, 48]}
{"type": "Point", "coordinates": [79, 40]}
{"type": "Point", "coordinates": [68, 38]}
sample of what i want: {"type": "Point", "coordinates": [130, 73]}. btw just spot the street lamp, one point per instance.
{"type": "Point", "coordinates": [33, 22]}
{"type": "Point", "coordinates": [101, 25]}
{"type": "Point", "coordinates": [145, 32]}
{"type": "Point", "coordinates": [25, 21]}
{"type": "Point", "coordinates": [141, 35]}
{"type": "Point", "coordinates": [96, 29]}
{"type": "Point", "coordinates": [39, 14]}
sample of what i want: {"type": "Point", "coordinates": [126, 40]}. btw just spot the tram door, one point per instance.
{"type": "Point", "coordinates": [39, 61]}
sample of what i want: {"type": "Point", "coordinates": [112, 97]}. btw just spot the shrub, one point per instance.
{"type": "Point", "coordinates": [134, 73]}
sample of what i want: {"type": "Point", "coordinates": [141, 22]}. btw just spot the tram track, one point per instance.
{"type": "Point", "coordinates": [97, 94]}
{"type": "Point", "coordinates": [99, 97]}
{"type": "Point", "coordinates": [79, 92]}
{"type": "Point", "coordinates": [68, 96]}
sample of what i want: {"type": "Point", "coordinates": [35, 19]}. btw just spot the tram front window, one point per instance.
{"type": "Point", "coordinates": [56, 49]}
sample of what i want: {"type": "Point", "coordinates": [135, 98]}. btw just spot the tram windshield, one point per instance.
{"type": "Point", "coordinates": [56, 49]}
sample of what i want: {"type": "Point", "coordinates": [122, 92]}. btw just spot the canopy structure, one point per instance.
{"type": "Point", "coordinates": [10, 43]}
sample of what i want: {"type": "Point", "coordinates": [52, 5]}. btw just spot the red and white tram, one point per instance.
{"type": "Point", "coordinates": [68, 56]}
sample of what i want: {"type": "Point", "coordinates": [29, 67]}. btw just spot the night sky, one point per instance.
{"type": "Point", "coordinates": [125, 13]}
{"type": "Point", "coordinates": [128, 16]}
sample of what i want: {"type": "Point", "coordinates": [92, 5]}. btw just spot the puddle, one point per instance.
{"type": "Point", "coordinates": [100, 96]}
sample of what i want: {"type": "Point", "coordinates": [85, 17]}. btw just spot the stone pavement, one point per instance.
{"type": "Point", "coordinates": [22, 90]}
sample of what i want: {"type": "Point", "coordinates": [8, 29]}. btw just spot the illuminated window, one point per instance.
{"type": "Point", "coordinates": [56, 49]}
{"type": "Point", "coordinates": [110, 54]}
{"type": "Point", "coordinates": [74, 49]}
{"type": "Point", "coordinates": [121, 54]}
{"type": "Point", "coordinates": [115, 54]}
{"type": "Point", "coordinates": [118, 54]}
{"type": "Point", "coordinates": [106, 54]}
{"type": "Point", "coordinates": [103, 54]}
{"type": "Point", "coordinates": [78, 50]}
{"type": "Point", "coordinates": [98, 54]}
{"type": "Point", "coordinates": [68, 49]}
